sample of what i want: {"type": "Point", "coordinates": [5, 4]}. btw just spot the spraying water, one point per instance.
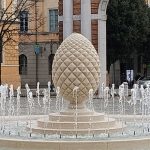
{"type": "Point", "coordinates": [106, 98]}
{"type": "Point", "coordinates": [113, 96]}
{"type": "Point", "coordinates": [11, 109]}
{"type": "Point", "coordinates": [91, 93]}
{"type": "Point", "coordinates": [45, 101]}
{"type": "Point", "coordinates": [18, 107]}
{"type": "Point", "coordinates": [75, 95]}
{"type": "Point", "coordinates": [31, 105]}
{"type": "Point", "coordinates": [38, 93]}
{"type": "Point", "coordinates": [49, 96]}
{"type": "Point", "coordinates": [3, 91]}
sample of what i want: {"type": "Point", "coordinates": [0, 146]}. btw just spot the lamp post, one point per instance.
{"type": "Point", "coordinates": [36, 40]}
{"type": "Point", "coordinates": [51, 57]}
{"type": "Point", "coordinates": [51, 61]}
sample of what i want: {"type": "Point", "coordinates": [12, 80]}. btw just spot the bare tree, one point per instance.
{"type": "Point", "coordinates": [10, 19]}
{"type": "Point", "coordinates": [9, 16]}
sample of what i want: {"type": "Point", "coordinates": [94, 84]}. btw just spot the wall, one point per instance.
{"type": "Point", "coordinates": [10, 65]}
{"type": "Point", "coordinates": [43, 67]}
{"type": "Point", "coordinates": [44, 38]}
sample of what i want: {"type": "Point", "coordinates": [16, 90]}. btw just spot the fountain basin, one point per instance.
{"type": "Point", "coordinates": [137, 142]}
{"type": "Point", "coordinates": [128, 144]}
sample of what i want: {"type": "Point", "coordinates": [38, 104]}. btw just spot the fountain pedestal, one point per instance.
{"type": "Point", "coordinates": [76, 121]}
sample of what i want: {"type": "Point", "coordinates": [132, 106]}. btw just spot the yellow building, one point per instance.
{"type": "Point", "coordinates": [30, 59]}
{"type": "Point", "coordinates": [10, 64]}
{"type": "Point", "coordinates": [38, 42]}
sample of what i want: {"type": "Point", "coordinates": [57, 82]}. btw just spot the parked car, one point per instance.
{"type": "Point", "coordinates": [144, 81]}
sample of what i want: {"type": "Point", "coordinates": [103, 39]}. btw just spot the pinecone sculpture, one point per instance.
{"type": "Point", "coordinates": [76, 64]}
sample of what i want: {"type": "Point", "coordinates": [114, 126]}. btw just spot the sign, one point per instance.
{"type": "Point", "coordinates": [129, 75]}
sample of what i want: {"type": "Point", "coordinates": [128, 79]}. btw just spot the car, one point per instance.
{"type": "Point", "coordinates": [144, 81]}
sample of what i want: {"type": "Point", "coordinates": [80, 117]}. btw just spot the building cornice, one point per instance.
{"type": "Point", "coordinates": [39, 33]}
{"type": "Point", "coordinates": [4, 65]}
{"type": "Point", "coordinates": [93, 17]}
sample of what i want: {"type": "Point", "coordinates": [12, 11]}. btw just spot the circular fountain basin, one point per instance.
{"type": "Point", "coordinates": [127, 144]}
{"type": "Point", "coordinates": [93, 142]}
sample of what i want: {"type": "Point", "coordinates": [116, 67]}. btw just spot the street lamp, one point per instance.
{"type": "Point", "coordinates": [51, 57]}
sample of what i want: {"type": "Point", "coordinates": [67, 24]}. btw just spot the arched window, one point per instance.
{"type": "Point", "coordinates": [50, 62]}
{"type": "Point", "coordinates": [22, 64]}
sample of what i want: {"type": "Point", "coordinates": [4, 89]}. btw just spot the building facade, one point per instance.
{"type": "Point", "coordinates": [87, 17]}
{"type": "Point", "coordinates": [9, 55]}
{"type": "Point", "coordinates": [28, 57]}
{"type": "Point", "coordinates": [10, 63]}
{"type": "Point", "coordinates": [38, 42]}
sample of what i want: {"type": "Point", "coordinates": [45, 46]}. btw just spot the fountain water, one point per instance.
{"type": "Point", "coordinates": [38, 93]}
{"type": "Point", "coordinates": [76, 125]}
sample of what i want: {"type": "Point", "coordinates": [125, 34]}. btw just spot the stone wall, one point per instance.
{"type": "Point", "coordinates": [94, 6]}
{"type": "Point", "coordinates": [76, 26]}
{"type": "Point", "coordinates": [95, 33]}
{"type": "Point", "coordinates": [76, 7]}
{"type": "Point", "coordinates": [60, 7]}
{"type": "Point", "coordinates": [60, 31]}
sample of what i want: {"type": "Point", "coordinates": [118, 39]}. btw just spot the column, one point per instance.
{"type": "Point", "coordinates": [86, 18]}
{"type": "Point", "coordinates": [67, 18]}
{"type": "Point", "coordinates": [102, 50]}
{"type": "Point", "coordinates": [102, 43]}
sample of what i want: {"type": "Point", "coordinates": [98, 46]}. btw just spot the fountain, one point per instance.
{"type": "Point", "coordinates": [119, 122]}
{"type": "Point", "coordinates": [76, 74]}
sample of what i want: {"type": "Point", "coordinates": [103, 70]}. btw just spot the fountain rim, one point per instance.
{"type": "Point", "coordinates": [128, 118]}
{"type": "Point", "coordinates": [86, 144]}
{"type": "Point", "coordinates": [133, 143]}
{"type": "Point", "coordinates": [29, 140]}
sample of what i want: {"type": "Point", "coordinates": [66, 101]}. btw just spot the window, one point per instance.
{"type": "Point", "coordinates": [50, 60]}
{"type": "Point", "coordinates": [14, 5]}
{"type": "Point", "coordinates": [23, 21]}
{"type": "Point", "coordinates": [53, 20]}
{"type": "Point", "coordinates": [22, 64]}
{"type": "Point", "coordinates": [2, 5]}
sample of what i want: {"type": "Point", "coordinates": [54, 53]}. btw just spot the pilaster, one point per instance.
{"type": "Point", "coordinates": [86, 18]}
{"type": "Point", "coordinates": [67, 18]}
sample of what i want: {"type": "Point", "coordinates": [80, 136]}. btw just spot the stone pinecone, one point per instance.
{"type": "Point", "coordinates": [76, 63]}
